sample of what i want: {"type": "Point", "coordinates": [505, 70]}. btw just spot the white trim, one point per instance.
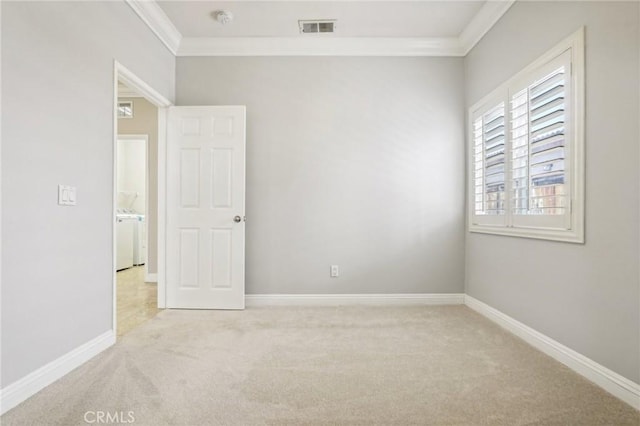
{"type": "Point", "coordinates": [114, 200]}
{"type": "Point", "coordinates": [158, 21]}
{"type": "Point", "coordinates": [353, 299]}
{"type": "Point", "coordinates": [608, 380]}
{"type": "Point", "coordinates": [162, 212]}
{"type": "Point", "coordinates": [161, 25]}
{"type": "Point", "coordinates": [29, 385]}
{"type": "Point", "coordinates": [482, 22]}
{"type": "Point", "coordinates": [316, 46]}
{"type": "Point", "coordinates": [533, 233]}
{"type": "Point", "coordinates": [150, 278]}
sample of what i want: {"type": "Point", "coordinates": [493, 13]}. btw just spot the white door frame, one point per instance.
{"type": "Point", "coordinates": [121, 73]}
{"type": "Point", "coordinates": [145, 138]}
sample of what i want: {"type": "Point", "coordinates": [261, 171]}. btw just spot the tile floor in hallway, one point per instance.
{"type": "Point", "coordinates": [137, 301]}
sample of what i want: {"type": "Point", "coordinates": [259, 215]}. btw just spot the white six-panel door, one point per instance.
{"type": "Point", "coordinates": [205, 207]}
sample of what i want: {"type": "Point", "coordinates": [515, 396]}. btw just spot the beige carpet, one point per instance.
{"type": "Point", "coordinates": [324, 366]}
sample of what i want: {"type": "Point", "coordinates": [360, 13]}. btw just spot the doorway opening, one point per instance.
{"type": "Point", "coordinates": [139, 132]}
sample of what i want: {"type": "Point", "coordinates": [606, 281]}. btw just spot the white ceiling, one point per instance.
{"type": "Point", "coordinates": [364, 28]}
{"type": "Point", "coordinates": [354, 18]}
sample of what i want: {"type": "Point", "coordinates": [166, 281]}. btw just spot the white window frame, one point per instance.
{"type": "Point", "coordinates": [569, 227]}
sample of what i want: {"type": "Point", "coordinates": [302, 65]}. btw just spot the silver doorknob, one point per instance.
{"type": "Point", "coordinates": [237, 219]}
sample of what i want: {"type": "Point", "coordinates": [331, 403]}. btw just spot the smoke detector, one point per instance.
{"type": "Point", "coordinates": [223, 16]}
{"type": "Point", "coordinates": [317, 26]}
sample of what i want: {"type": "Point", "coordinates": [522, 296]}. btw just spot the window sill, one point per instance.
{"type": "Point", "coordinates": [567, 236]}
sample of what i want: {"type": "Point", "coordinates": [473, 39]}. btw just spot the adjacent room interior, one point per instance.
{"type": "Point", "coordinates": [136, 210]}
{"type": "Point", "coordinates": [320, 212]}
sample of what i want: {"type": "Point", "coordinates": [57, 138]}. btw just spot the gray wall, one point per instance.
{"type": "Point", "coordinates": [145, 122]}
{"type": "Point", "coordinates": [357, 162]}
{"type": "Point", "coordinates": [585, 296]}
{"type": "Point", "coordinates": [57, 128]}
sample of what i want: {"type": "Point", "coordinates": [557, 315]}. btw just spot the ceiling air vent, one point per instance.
{"type": "Point", "coordinates": [317, 26]}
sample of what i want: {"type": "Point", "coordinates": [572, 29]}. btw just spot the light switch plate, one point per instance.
{"type": "Point", "coordinates": [66, 195]}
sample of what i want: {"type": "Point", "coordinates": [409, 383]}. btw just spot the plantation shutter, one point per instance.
{"type": "Point", "coordinates": [489, 136]}
{"type": "Point", "coordinates": [539, 126]}
{"type": "Point", "coordinates": [526, 150]}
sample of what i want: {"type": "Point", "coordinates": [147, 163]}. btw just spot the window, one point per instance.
{"type": "Point", "coordinates": [125, 109]}
{"type": "Point", "coordinates": [527, 150]}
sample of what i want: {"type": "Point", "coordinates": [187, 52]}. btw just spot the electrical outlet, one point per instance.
{"type": "Point", "coordinates": [335, 272]}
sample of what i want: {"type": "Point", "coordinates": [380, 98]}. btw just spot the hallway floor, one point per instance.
{"type": "Point", "coordinates": [137, 301]}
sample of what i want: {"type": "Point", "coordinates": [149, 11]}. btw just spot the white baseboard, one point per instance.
{"type": "Point", "coordinates": [608, 380]}
{"type": "Point", "coordinates": [353, 299]}
{"type": "Point", "coordinates": [151, 278]}
{"type": "Point", "coordinates": [24, 388]}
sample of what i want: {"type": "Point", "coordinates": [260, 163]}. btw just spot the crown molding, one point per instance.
{"type": "Point", "coordinates": [158, 21]}
{"type": "Point", "coordinates": [161, 25]}
{"type": "Point", "coordinates": [319, 46]}
{"type": "Point", "coordinates": [482, 22]}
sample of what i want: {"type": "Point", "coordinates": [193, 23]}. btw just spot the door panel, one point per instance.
{"type": "Point", "coordinates": [188, 257]}
{"type": "Point", "coordinates": [222, 160]}
{"type": "Point", "coordinates": [189, 177]}
{"type": "Point", "coordinates": [221, 261]}
{"type": "Point", "coordinates": [205, 192]}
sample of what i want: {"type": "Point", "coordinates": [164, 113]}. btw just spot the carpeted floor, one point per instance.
{"type": "Point", "coordinates": [356, 365]}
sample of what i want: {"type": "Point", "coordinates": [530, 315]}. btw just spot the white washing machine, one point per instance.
{"type": "Point", "coordinates": [125, 227]}
{"type": "Point", "coordinates": [131, 240]}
